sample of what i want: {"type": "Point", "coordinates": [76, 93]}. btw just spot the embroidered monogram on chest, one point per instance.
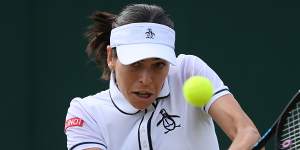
{"type": "Point", "coordinates": [168, 121]}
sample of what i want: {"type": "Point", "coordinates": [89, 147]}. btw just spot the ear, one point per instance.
{"type": "Point", "coordinates": [110, 58]}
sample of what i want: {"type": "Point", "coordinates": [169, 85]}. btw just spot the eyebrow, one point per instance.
{"type": "Point", "coordinates": [158, 59]}
{"type": "Point", "coordinates": [154, 59]}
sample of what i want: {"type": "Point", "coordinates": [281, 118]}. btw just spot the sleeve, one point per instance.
{"type": "Point", "coordinates": [81, 128]}
{"type": "Point", "coordinates": [193, 65]}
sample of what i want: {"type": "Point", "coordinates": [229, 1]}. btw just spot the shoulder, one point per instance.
{"type": "Point", "coordinates": [187, 59]}
{"type": "Point", "coordinates": [89, 103]}
{"type": "Point", "coordinates": [82, 125]}
{"type": "Point", "coordinates": [189, 62]}
{"type": "Point", "coordinates": [188, 65]}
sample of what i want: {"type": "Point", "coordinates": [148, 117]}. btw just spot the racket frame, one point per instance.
{"type": "Point", "coordinates": [275, 126]}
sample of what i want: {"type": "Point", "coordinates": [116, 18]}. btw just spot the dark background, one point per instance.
{"type": "Point", "coordinates": [252, 45]}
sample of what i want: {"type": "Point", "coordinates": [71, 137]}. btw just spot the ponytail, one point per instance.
{"type": "Point", "coordinates": [98, 35]}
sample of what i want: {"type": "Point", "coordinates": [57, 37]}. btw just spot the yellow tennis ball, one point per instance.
{"type": "Point", "coordinates": [197, 90]}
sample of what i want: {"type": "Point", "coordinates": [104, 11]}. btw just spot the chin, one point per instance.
{"type": "Point", "coordinates": [141, 105]}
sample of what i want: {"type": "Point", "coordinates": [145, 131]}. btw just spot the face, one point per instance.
{"type": "Point", "coordinates": [140, 82]}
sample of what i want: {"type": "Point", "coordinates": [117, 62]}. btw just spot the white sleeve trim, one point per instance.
{"type": "Point", "coordinates": [215, 97]}
{"type": "Point", "coordinates": [85, 145]}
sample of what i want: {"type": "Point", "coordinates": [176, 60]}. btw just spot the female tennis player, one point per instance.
{"type": "Point", "coordinates": [144, 108]}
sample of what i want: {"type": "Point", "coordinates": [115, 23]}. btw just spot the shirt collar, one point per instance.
{"type": "Point", "coordinates": [120, 101]}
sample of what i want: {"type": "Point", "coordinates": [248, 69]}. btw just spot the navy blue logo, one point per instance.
{"type": "Point", "coordinates": [150, 34]}
{"type": "Point", "coordinates": [168, 121]}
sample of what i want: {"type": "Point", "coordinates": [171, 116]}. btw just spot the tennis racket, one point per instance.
{"type": "Point", "coordinates": [286, 128]}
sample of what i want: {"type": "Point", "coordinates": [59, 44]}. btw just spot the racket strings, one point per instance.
{"type": "Point", "coordinates": [290, 135]}
{"type": "Point", "coordinates": [295, 146]}
{"type": "Point", "coordinates": [294, 116]}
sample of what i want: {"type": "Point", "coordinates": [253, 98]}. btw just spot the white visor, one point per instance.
{"type": "Point", "coordinates": [138, 41]}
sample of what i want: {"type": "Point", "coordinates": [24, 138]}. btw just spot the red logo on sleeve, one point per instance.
{"type": "Point", "coordinates": [72, 122]}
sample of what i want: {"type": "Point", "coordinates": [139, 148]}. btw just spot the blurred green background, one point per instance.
{"type": "Point", "coordinates": [253, 45]}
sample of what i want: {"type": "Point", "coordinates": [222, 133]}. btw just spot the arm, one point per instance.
{"type": "Point", "coordinates": [235, 123]}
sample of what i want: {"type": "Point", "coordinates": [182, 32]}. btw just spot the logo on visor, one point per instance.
{"type": "Point", "coordinates": [149, 34]}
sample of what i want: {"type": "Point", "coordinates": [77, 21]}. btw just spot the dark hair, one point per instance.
{"type": "Point", "coordinates": [98, 34]}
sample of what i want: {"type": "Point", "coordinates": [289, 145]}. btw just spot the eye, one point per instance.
{"type": "Point", "coordinates": [136, 64]}
{"type": "Point", "coordinates": [160, 65]}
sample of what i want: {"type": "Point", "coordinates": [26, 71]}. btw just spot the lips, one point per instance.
{"type": "Point", "coordinates": [143, 94]}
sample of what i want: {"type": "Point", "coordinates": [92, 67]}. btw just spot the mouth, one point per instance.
{"type": "Point", "coordinates": [143, 95]}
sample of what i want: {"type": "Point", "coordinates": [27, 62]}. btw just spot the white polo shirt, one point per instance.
{"type": "Point", "coordinates": [107, 120]}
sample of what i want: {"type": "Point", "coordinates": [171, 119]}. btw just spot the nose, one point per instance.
{"type": "Point", "coordinates": [145, 77]}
